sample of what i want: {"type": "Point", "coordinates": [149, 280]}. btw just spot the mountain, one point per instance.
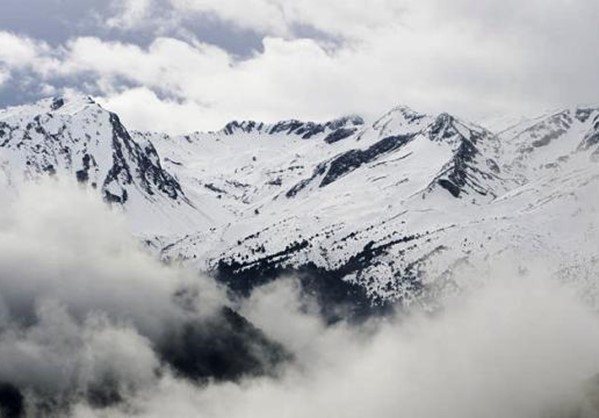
{"type": "Point", "coordinates": [75, 136]}
{"type": "Point", "coordinates": [548, 143]}
{"type": "Point", "coordinates": [406, 209]}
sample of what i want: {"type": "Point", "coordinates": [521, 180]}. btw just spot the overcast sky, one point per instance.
{"type": "Point", "coordinates": [184, 65]}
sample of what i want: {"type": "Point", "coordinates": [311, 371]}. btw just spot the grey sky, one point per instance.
{"type": "Point", "coordinates": [179, 65]}
{"type": "Point", "coordinates": [56, 21]}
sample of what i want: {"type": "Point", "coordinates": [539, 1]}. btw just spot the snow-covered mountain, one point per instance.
{"type": "Point", "coordinates": [77, 137]}
{"type": "Point", "coordinates": [366, 213]}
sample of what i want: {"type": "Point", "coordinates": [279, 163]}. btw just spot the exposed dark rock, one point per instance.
{"type": "Point", "coordinates": [339, 135]}
{"type": "Point", "coordinates": [318, 171]}
{"type": "Point", "coordinates": [450, 187]}
{"type": "Point", "coordinates": [246, 126]}
{"type": "Point", "coordinates": [57, 103]}
{"type": "Point", "coordinates": [353, 159]}
{"type": "Point", "coordinates": [146, 170]}
{"type": "Point", "coordinates": [113, 198]}
{"type": "Point", "coordinates": [590, 140]}
{"type": "Point", "coordinates": [463, 173]}
{"type": "Point", "coordinates": [305, 130]}
{"type": "Point", "coordinates": [50, 169]}
{"type": "Point", "coordinates": [213, 188]}
{"type": "Point", "coordinates": [12, 402]}
{"type": "Point", "coordinates": [583, 114]}
{"type": "Point", "coordinates": [83, 174]}
{"type": "Point", "coordinates": [226, 347]}
{"type": "Point", "coordinates": [456, 177]}
{"type": "Point", "coordinates": [442, 128]}
{"type": "Point", "coordinates": [350, 161]}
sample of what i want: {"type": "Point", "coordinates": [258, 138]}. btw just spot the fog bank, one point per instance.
{"type": "Point", "coordinates": [93, 326]}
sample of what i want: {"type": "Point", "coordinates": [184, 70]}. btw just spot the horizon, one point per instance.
{"type": "Point", "coordinates": [488, 123]}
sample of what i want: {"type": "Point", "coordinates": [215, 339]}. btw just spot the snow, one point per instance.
{"type": "Point", "coordinates": [531, 189]}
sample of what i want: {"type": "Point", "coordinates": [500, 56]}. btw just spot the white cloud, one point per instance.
{"type": "Point", "coordinates": [141, 108]}
{"type": "Point", "coordinates": [4, 76]}
{"type": "Point", "coordinates": [280, 17]}
{"type": "Point", "coordinates": [162, 64]}
{"type": "Point", "coordinates": [84, 309]}
{"type": "Point", "coordinates": [430, 54]}
{"type": "Point", "coordinates": [514, 348]}
{"type": "Point", "coordinates": [130, 13]}
{"type": "Point", "coordinates": [300, 78]}
{"type": "Point", "coordinates": [261, 15]}
{"type": "Point", "coordinates": [16, 51]}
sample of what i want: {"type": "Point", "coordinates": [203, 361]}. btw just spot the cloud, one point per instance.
{"type": "Point", "coordinates": [87, 314]}
{"type": "Point", "coordinates": [260, 15]}
{"type": "Point", "coordinates": [319, 60]}
{"type": "Point", "coordinates": [16, 51]}
{"type": "Point", "coordinates": [60, 357]}
{"type": "Point", "coordinates": [94, 266]}
{"type": "Point", "coordinates": [22, 57]}
{"type": "Point", "coordinates": [349, 19]}
{"type": "Point", "coordinates": [267, 17]}
{"type": "Point", "coordinates": [517, 348]}
{"type": "Point", "coordinates": [143, 109]}
{"type": "Point", "coordinates": [4, 76]}
{"type": "Point", "coordinates": [129, 13]}
{"type": "Point", "coordinates": [301, 78]}
{"type": "Point", "coordinates": [92, 325]}
{"type": "Point", "coordinates": [160, 66]}
{"type": "Point", "coordinates": [266, 86]}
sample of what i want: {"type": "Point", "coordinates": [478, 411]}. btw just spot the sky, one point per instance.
{"type": "Point", "coordinates": [185, 65]}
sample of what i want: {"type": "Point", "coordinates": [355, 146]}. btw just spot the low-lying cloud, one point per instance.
{"type": "Point", "coordinates": [93, 326]}
{"type": "Point", "coordinates": [87, 313]}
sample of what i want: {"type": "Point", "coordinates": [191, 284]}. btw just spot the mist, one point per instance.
{"type": "Point", "coordinates": [521, 348]}
{"type": "Point", "coordinates": [86, 313]}
{"type": "Point", "coordinates": [91, 325]}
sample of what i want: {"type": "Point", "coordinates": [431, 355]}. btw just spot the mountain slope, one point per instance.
{"type": "Point", "coordinates": [75, 137]}
{"type": "Point", "coordinates": [391, 211]}
{"type": "Point", "coordinates": [409, 208]}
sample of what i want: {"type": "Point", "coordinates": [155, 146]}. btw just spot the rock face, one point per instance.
{"type": "Point", "coordinates": [12, 401]}
{"type": "Point", "coordinates": [334, 131]}
{"type": "Point", "coordinates": [226, 348]}
{"type": "Point", "coordinates": [405, 209]}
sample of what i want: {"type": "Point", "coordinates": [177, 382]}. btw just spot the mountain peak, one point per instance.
{"type": "Point", "coordinates": [75, 137]}
{"type": "Point", "coordinates": [401, 120]}
{"type": "Point", "coordinates": [405, 109]}
{"type": "Point", "coordinates": [59, 102]}
{"type": "Point", "coordinates": [68, 104]}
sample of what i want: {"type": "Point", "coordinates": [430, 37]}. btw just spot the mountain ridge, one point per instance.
{"type": "Point", "coordinates": [383, 211]}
